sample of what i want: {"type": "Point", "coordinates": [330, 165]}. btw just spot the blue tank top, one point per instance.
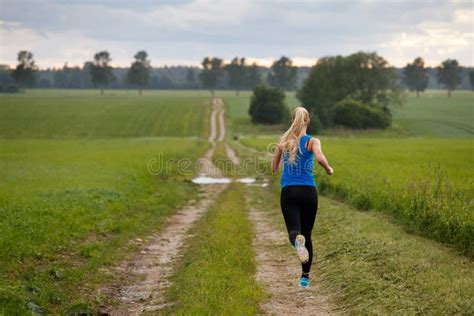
{"type": "Point", "coordinates": [301, 171]}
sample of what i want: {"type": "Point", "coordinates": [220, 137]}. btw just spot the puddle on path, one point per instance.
{"type": "Point", "coordinates": [246, 180]}
{"type": "Point", "coordinates": [219, 180]}
{"type": "Point", "coordinates": [211, 180]}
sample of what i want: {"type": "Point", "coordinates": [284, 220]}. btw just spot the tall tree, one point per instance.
{"type": "Point", "coordinates": [101, 71]}
{"type": "Point", "coordinates": [253, 76]}
{"type": "Point", "coordinates": [449, 74]}
{"type": "Point", "coordinates": [365, 77]}
{"type": "Point", "coordinates": [283, 74]}
{"type": "Point", "coordinates": [415, 76]}
{"type": "Point", "coordinates": [139, 72]}
{"type": "Point", "coordinates": [25, 72]}
{"type": "Point", "coordinates": [471, 78]}
{"type": "Point", "coordinates": [211, 72]}
{"type": "Point", "coordinates": [236, 71]}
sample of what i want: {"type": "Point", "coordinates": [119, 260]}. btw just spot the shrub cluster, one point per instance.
{"type": "Point", "coordinates": [9, 89]}
{"type": "Point", "coordinates": [267, 106]}
{"type": "Point", "coordinates": [355, 114]}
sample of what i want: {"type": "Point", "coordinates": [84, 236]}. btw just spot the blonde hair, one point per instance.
{"type": "Point", "coordinates": [290, 140]}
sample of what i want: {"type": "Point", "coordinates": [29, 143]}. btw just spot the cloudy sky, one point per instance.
{"type": "Point", "coordinates": [184, 31]}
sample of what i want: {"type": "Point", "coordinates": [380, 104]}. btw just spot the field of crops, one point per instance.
{"type": "Point", "coordinates": [434, 114]}
{"type": "Point", "coordinates": [73, 192]}
{"type": "Point", "coordinates": [87, 114]}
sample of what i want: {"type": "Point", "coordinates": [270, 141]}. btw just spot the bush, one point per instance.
{"type": "Point", "coordinates": [267, 105]}
{"type": "Point", "coordinates": [12, 89]}
{"type": "Point", "coordinates": [1, 89]}
{"type": "Point", "coordinates": [354, 114]}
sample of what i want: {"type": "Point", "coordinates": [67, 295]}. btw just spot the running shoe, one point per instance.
{"type": "Point", "coordinates": [301, 250]}
{"type": "Point", "coordinates": [304, 282]}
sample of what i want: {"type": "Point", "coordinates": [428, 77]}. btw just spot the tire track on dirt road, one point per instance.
{"type": "Point", "coordinates": [155, 263]}
{"type": "Point", "coordinates": [220, 105]}
{"type": "Point", "coordinates": [280, 270]}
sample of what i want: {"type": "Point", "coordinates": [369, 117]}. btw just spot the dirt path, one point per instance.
{"type": "Point", "coordinates": [278, 270]}
{"type": "Point", "coordinates": [220, 105]}
{"type": "Point", "coordinates": [213, 123]}
{"type": "Point", "coordinates": [206, 167]}
{"type": "Point", "coordinates": [231, 154]}
{"type": "Point", "coordinates": [155, 263]}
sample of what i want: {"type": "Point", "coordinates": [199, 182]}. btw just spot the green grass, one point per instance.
{"type": "Point", "coordinates": [68, 208]}
{"type": "Point", "coordinates": [425, 184]}
{"type": "Point", "coordinates": [216, 275]}
{"type": "Point", "coordinates": [434, 114]}
{"type": "Point", "coordinates": [371, 266]}
{"type": "Point", "coordinates": [87, 114]}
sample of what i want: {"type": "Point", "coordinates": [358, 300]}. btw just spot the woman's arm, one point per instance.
{"type": "Point", "coordinates": [276, 160]}
{"type": "Point", "coordinates": [318, 152]}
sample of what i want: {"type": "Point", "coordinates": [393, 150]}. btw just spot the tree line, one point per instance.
{"type": "Point", "coordinates": [238, 75]}
{"type": "Point", "coordinates": [98, 73]}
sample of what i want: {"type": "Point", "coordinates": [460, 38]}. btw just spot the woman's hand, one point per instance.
{"type": "Point", "coordinates": [329, 171]}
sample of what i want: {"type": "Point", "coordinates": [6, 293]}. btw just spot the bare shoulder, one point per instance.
{"type": "Point", "coordinates": [313, 144]}
{"type": "Point", "coordinates": [314, 141]}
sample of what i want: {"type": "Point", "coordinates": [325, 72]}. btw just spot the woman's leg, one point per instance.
{"type": "Point", "coordinates": [291, 209]}
{"type": "Point", "coordinates": [308, 216]}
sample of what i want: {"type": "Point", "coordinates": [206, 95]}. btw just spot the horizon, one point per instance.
{"type": "Point", "coordinates": [183, 32]}
{"type": "Point", "coordinates": [262, 62]}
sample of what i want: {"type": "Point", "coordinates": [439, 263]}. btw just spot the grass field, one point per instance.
{"type": "Point", "coordinates": [69, 206]}
{"type": "Point", "coordinates": [75, 185]}
{"type": "Point", "coordinates": [87, 114]}
{"type": "Point", "coordinates": [373, 267]}
{"type": "Point", "coordinates": [216, 275]}
{"type": "Point", "coordinates": [434, 114]}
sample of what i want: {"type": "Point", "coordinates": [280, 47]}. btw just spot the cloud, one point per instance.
{"type": "Point", "coordinates": [186, 31]}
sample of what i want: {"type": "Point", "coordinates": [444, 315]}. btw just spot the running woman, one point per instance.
{"type": "Point", "coordinates": [299, 198]}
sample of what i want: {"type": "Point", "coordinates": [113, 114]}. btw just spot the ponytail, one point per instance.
{"type": "Point", "coordinates": [289, 141]}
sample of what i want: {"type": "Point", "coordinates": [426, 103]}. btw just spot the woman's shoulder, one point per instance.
{"type": "Point", "coordinates": [312, 140]}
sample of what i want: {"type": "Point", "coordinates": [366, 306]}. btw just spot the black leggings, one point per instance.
{"type": "Point", "coordinates": [299, 205]}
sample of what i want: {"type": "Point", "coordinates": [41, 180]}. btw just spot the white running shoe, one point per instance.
{"type": "Point", "coordinates": [301, 250]}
